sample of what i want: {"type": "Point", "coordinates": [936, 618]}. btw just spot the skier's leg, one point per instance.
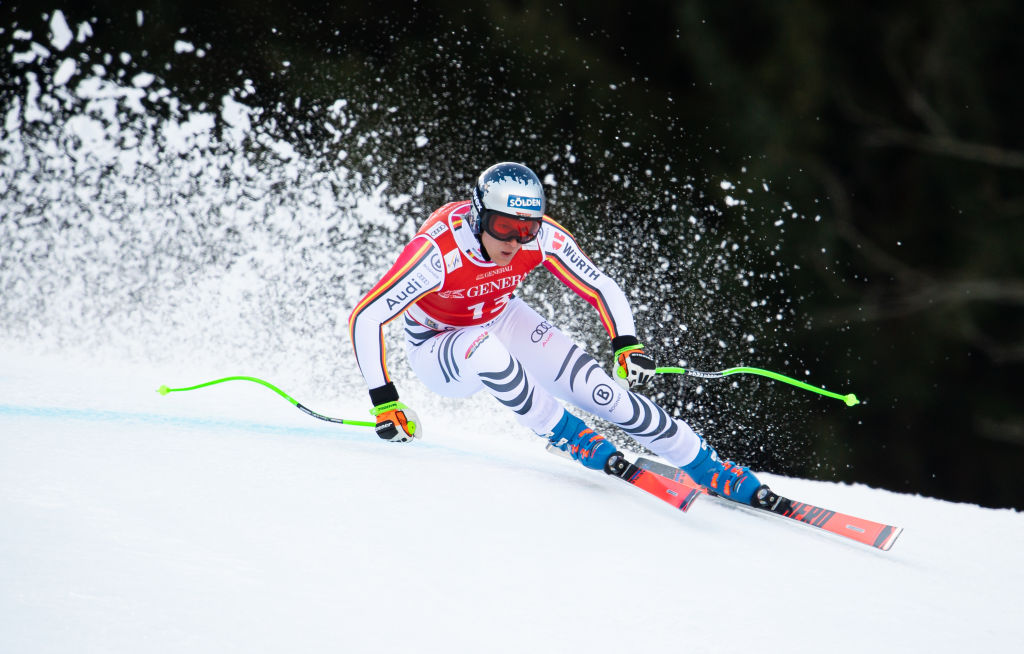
{"type": "Point", "coordinates": [569, 373]}
{"type": "Point", "coordinates": [432, 357]}
{"type": "Point", "coordinates": [460, 363]}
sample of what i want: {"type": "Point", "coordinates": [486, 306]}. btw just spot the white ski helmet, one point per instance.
{"type": "Point", "coordinates": [508, 188]}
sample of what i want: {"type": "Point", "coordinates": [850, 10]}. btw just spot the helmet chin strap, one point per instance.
{"type": "Point", "coordinates": [477, 213]}
{"type": "Point", "coordinates": [476, 226]}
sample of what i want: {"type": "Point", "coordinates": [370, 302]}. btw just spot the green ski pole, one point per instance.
{"type": "Point", "coordinates": [164, 390]}
{"type": "Point", "coordinates": [850, 398]}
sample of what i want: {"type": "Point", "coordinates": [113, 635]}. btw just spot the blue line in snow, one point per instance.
{"type": "Point", "coordinates": [97, 415]}
{"type": "Point", "coordinates": [351, 433]}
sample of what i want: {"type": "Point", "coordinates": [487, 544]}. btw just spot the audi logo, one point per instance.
{"type": "Point", "coordinates": [540, 330]}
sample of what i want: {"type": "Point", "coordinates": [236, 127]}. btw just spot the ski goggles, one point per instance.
{"type": "Point", "coordinates": [510, 228]}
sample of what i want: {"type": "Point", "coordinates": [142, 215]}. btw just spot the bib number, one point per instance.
{"type": "Point", "coordinates": [499, 304]}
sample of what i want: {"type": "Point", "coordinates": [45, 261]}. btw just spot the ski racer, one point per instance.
{"type": "Point", "coordinates": [466, 330]}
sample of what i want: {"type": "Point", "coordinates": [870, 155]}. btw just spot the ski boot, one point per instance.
{"type": "Point", "coordinates": [571, 435]}
{"type": "Point", "coordinates": [726, 479]}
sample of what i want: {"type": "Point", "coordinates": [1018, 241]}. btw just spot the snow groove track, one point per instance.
{"type": "Point", "coordinates": [133, 418]}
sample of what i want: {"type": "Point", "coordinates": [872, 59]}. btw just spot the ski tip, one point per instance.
{"type": "Point", "coordinates": [888, 537]}
{"type": "Point", "coordinates": [163, 390]}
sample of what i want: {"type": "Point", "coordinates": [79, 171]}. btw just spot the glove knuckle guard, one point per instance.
{"type": "Point", "coordinates": [386, 430]}
{"type": "Point", "coordinates": [634, 368]}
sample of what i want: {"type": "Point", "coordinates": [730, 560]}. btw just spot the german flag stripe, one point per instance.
{"type": "Point", "coordinates": [551, 221]}
{"type": "Point", "coordinates": [409, 259]}
{"type": "Point", "coordinates": [586, 291]}
{"type": "Point", "coordinates": [380, 337]}
{"type": "Point", "coordinates": [395, 275]}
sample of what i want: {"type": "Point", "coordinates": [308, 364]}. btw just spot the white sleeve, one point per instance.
{"type": "Point", "coordinates": [417, 272]}
{"type": "Point", "coordinates": [568, 262]}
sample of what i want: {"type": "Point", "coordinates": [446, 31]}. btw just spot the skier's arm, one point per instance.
{"type": "Point", "coordinates": [564, 258]}
{"type": "Point", "coordinates": [417, 272]}
{"type": "Point", "coordinates": [567, 262]}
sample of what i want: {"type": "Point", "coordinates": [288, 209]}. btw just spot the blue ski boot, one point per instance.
{"type": "Point", "coordinates": [726, 479]}
{"type": "Point", "coordinates": [585, 445]}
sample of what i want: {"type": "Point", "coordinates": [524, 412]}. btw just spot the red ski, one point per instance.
{"type": "Point", "coordinates": [868, 532]}
{"type": "Point", "coordinates": [679, 493]}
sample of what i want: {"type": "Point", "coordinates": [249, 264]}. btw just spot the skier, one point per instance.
{"type": "Point", "coordinates": [466, 331]}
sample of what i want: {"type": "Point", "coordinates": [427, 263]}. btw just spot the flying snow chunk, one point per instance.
{"type": "Point", "coordinates": [65, 71]}
{"type": "Point", "coordinates": [142, 80]}
{"type": "Point", "coordinates": [194, 132]}
{"type": "Point", "coordinates": [726, 185]}
{"type": "Point", "coordinates": [549, 180]}
{"type": "Point", "coordinates": [183, 46]}
{"type": "Point", "coordinates": [60, 32]}
{"type": "Point", "coordinates": [236, 114]}
{"type": "Point", "coordinates": [421, 141]}
{"type": "Point", "coordinates": [34, 52]}
{"type": "Point", "coordinates": [84, 32]}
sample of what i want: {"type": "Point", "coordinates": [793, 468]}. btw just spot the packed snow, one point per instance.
{"type": "Point", "coordinates": [223, 519]}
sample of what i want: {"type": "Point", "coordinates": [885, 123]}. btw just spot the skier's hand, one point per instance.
{"type": "Point", "coordinates": [633, 368]}
{"type": "Point", "coordinates": [396, 422]}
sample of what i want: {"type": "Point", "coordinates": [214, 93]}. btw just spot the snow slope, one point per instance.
{"type": "Point", "coordinates": [225, 520]}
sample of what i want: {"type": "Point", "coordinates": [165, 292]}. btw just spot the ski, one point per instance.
{"type": "Point", "coordinates": [678, 493]}
{"type": "Point", "coordinates": [867, 532]}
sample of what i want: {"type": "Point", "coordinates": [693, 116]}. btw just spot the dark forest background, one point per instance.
{"type": "Point", "coordinates": [886, 136]}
